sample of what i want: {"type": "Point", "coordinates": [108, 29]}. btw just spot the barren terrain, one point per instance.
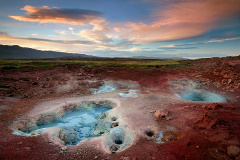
{"type": "Point", "coordinates": [148, 103]}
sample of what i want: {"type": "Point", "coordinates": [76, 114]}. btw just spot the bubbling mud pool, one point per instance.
{"type": "Point", "coordinates": [72, 123]}
{"type": "Point", "coordinates": [82, 121]}
{"type": "Point", "coordinates": [194, 91]}
{"type": "Point", "coordinates": [204, 96]}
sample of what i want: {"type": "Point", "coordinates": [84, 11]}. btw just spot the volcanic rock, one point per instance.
{"type": "Point", "coordinates": [64, 148]}
{"type": "Point", "coordinates": [162, 114]}
{"type": "Point", "coordinates": [209, 121]}
{"type": "Point", "coordinates": [214, 106]}
{"type": "Point", "coordinates": [233, 151]}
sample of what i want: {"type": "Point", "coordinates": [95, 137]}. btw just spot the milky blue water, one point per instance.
{"type": "Point", "coordinates": [104, 89]}
{"type": "Point", "coordinates": [196, 95]}
{"type": "Point", "coordinates": [83, 121]}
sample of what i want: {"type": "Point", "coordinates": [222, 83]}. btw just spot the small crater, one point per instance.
{"type": "Point", "coordinates": [114, 124]}
{"type": "Point", "coordinates": [35, 83]}
{"type": "Point", "coordinates": [118, 141]}
{"type": "Point", "coordinates": [149, 133]}
{"type": "Point", "coordinates": [114, 148]}
{"type": "Point", "coordinates": [118, 138]}
{"type": "Point", "coordinates": [114, 118]}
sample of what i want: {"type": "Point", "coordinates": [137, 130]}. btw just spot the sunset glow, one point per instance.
{"type": "Point", "coordinates": [164, 28]}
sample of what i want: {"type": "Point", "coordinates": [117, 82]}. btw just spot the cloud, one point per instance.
{"type": "Point", "coordinates": [58, 15]}
{"type": "Point", "coordinates": [69, 16]}
{"type": "Point", "coordinates": [133, 49]}
{"type": "Point", "coordinates": [180, 20]}
{"type": "Point", "coordinates": [3, 34]}
{"type": "Point", "coordinates": [62, 32]}
{"type": "Point", "coordinates": [64, 15]}
{"type": "Point", "coordinates": [75, 46]}
{"type": "Point", "coordinates": [220, 40]}
{"type": "Point", "coordinates": [199, 42]}
{"type": "Point", "coordinates": [167, 48]}
{"type": "Point", "coordinates": [94, 35]}
{"type": "Point", "coordinates": [226, 36]}
{"type": "Point", "coordinates": [117, 29]}
{"type": "Point", "coordinates": [100, 25]}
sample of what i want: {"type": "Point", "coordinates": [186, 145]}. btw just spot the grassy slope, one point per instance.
{"type": "Point", "coordinates": [105, 62]}
{"type": "Point", "coordinates": [15, 64]}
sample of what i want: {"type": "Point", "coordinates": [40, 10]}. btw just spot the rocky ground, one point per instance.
{"type": "Point", "coordinates": [204, 130]}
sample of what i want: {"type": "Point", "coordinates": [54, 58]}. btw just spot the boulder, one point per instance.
{"type": "Point", "coordinates": [208, 122]}
{"type": "Point", "coordinates": [162, 114]}
{"type": "Point", "coordinates": [233, 151]}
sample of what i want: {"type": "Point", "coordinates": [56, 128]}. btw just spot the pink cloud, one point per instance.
{"type": "Point", "coordinates": [181, 20]}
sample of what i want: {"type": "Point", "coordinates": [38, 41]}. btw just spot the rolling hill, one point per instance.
{"type": "Point", "coordinates": [17, 52]}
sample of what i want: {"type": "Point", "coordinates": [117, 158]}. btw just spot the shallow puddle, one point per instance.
{"type": "Point", "coordinates": [129, 93]}
{"type": "Point", "coordinates": [122, 88]}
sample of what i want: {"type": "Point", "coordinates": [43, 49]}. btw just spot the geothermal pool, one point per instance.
{"type": "Point", "coordinates": [78, 118]}
{"type": "Point", "coordinates": [204, 96]}
{"type": "Point", "coordinates": [87, 119]}
{"type": "Point", "coordinates": [83, 122]}
{"type": "Point", "coordinates": [76, 125]}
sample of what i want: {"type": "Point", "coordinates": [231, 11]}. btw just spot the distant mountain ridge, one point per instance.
{"type": "Point", "coordinates": [163, 58]}
{"type": "Point", "coordinates": [17, 52]}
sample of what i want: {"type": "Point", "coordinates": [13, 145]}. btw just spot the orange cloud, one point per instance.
{"type": "Point", "coordinates": [69, 16]}
{"type": "Point", "coordinates": [181, 20]}
{"type": "Point", "coordinates": [100, 25]}
{"type": "Point", "coordinates": [59, 15]}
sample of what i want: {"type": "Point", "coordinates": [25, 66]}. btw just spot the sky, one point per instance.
{"type": "Point", "coordinates": [124, 28]}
